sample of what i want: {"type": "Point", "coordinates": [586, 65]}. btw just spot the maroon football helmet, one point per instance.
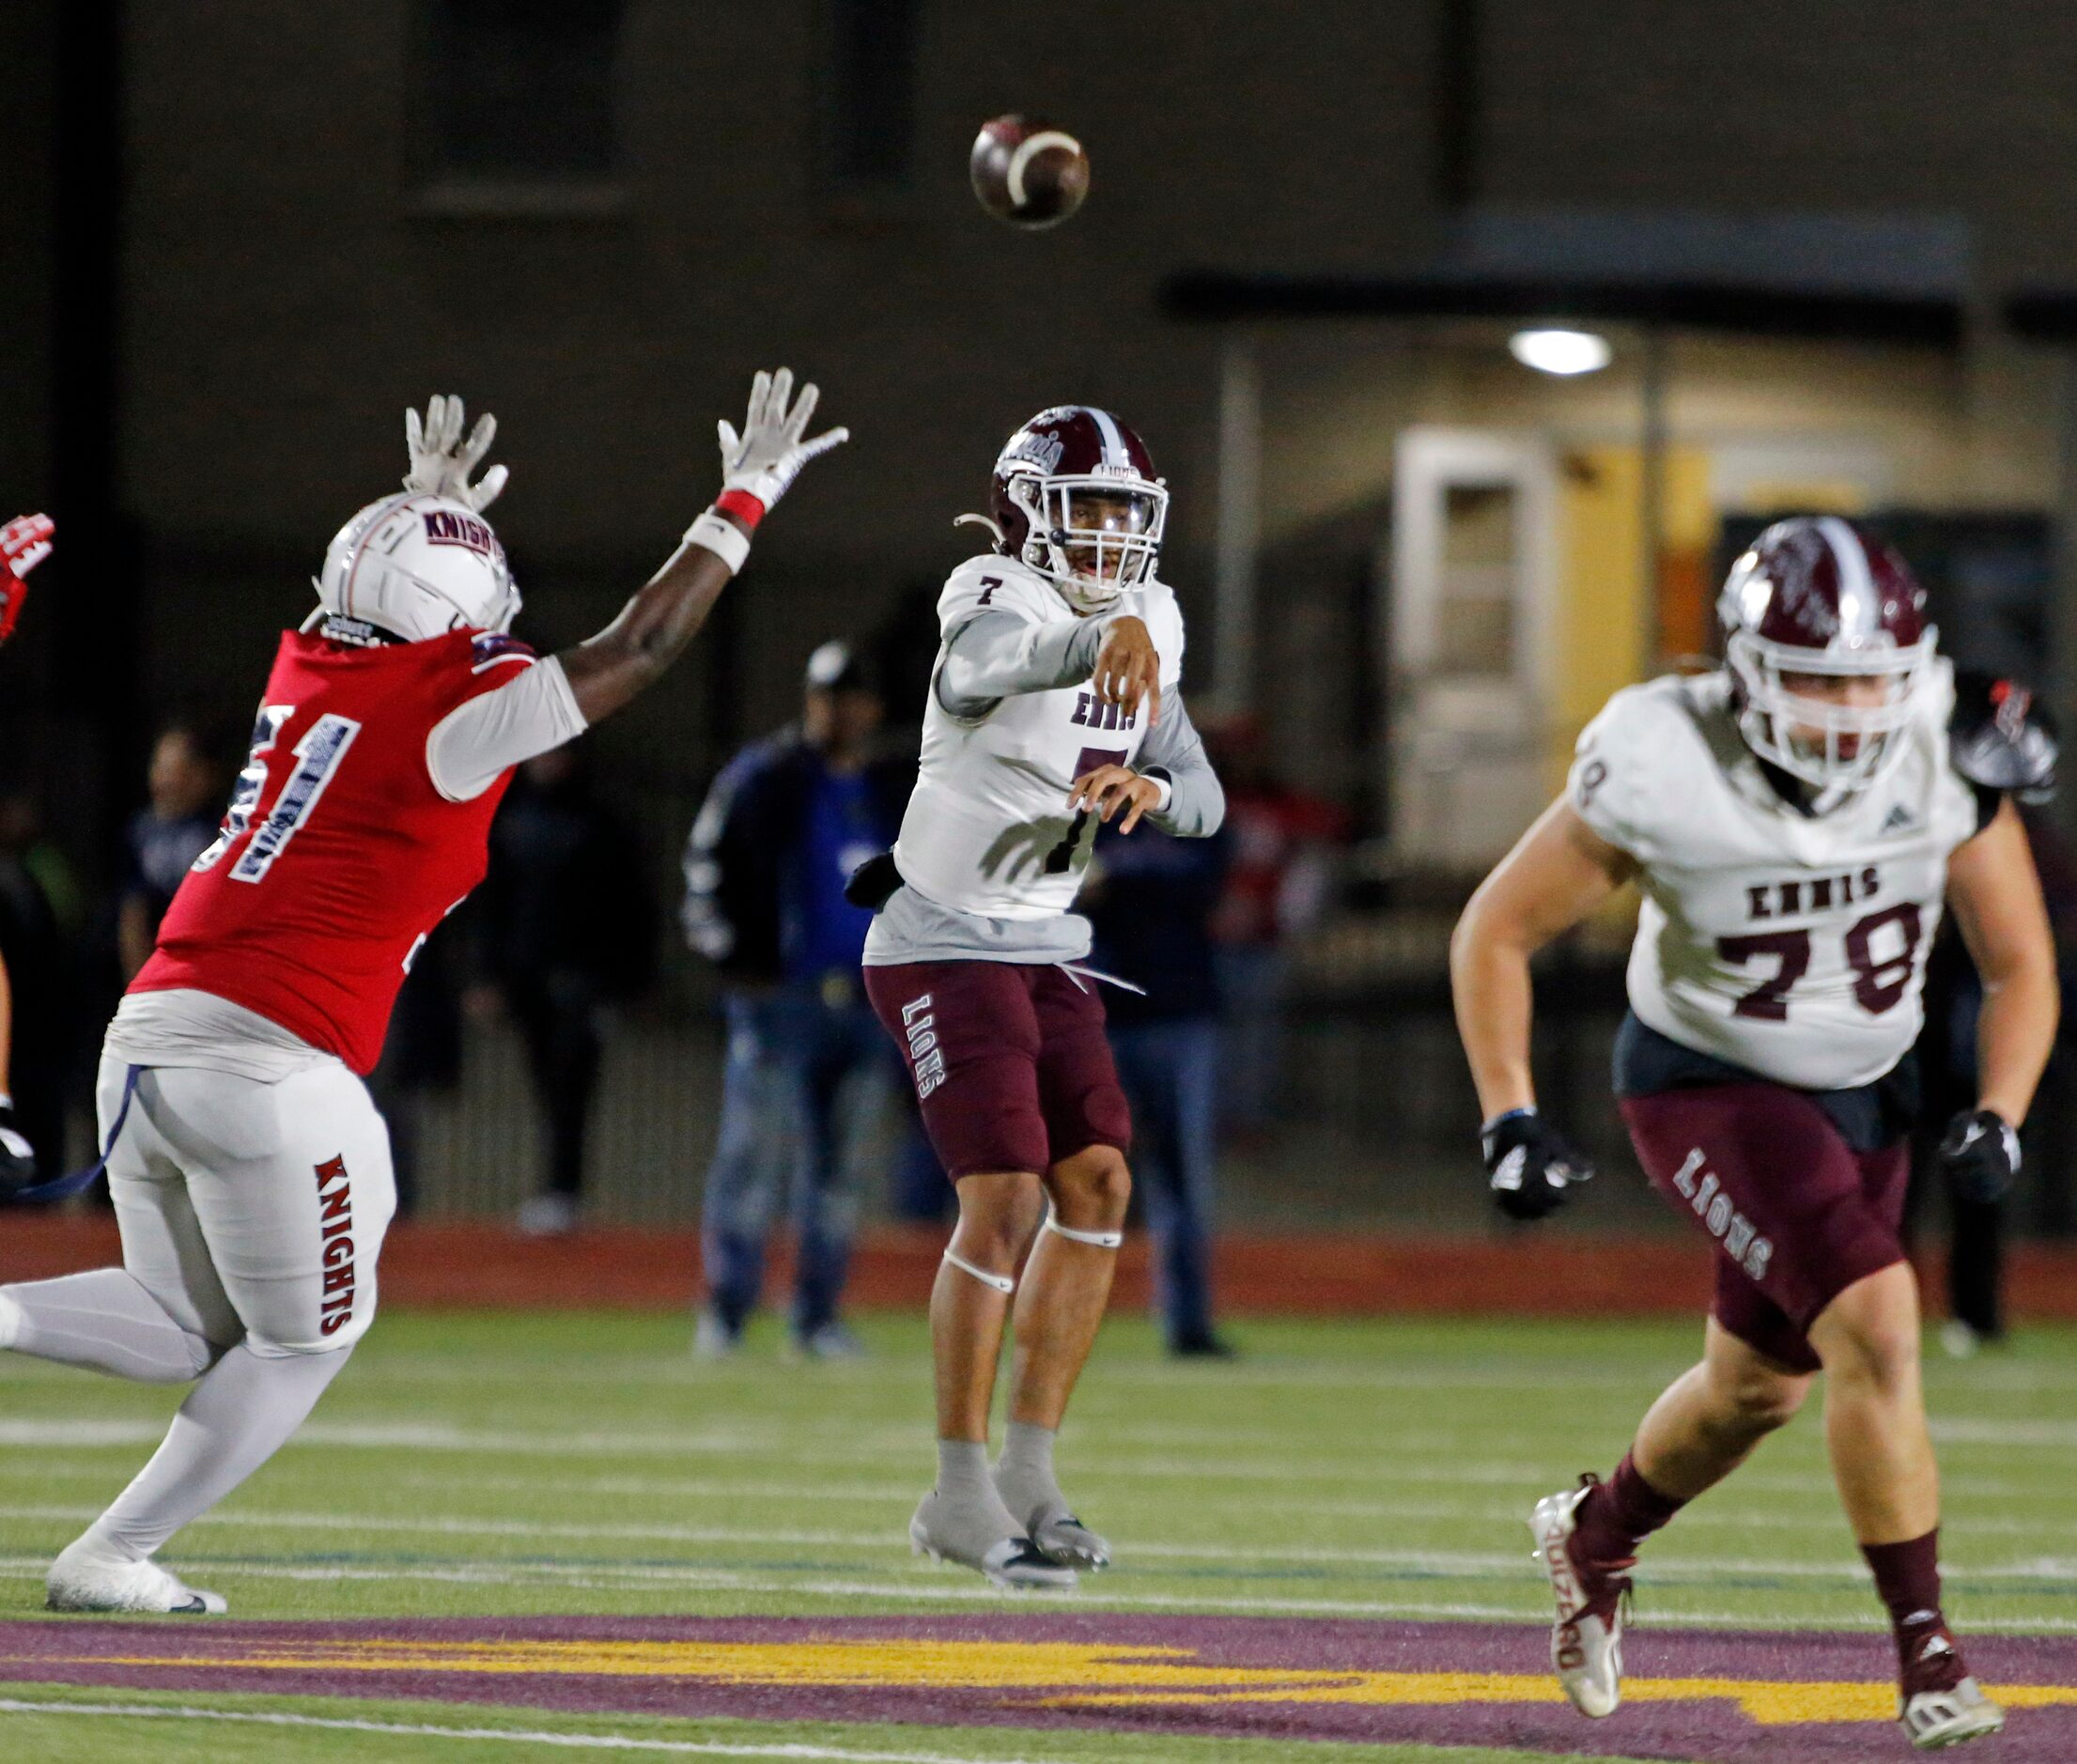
{"type": "Point", "coordinates": [1075, 498]}
{"type": "Point", "coordinates": [1816, 595]}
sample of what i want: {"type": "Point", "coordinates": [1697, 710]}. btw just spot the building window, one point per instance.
{"type": "Point", "coordinates": [870, 80]}
{"type": "Point", "coordinates": [517, 93]}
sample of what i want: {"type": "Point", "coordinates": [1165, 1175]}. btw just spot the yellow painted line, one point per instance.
{"type": "Point", "coordinates": [1054, 1673]}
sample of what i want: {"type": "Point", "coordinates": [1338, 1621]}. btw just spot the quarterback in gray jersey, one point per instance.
{"type": "Point", "coordinates": [1795, 822]}
{"type": "Point", "coordinates": [1056, 704]}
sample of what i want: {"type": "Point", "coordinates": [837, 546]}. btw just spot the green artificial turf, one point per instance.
{"type": "Point", "coordinates": [498, 1464]}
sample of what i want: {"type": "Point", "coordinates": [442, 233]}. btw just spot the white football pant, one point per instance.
{"type": "Point", "coordinates": [253, 1211]}
{"type": "Point", "coordinates": [252, 1216]}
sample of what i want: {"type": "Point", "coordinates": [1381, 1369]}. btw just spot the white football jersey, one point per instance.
{"type": "Point", "coordinates": [1788, 944]}
{"type": "Point", "coordinates": [987, 828]}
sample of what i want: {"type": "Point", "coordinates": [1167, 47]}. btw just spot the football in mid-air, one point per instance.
{"type": "Point", "coordinates": [1027, 172]}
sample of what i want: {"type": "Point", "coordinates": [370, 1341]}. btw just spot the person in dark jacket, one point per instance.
{"type": "Point", "coordinates": [1152, 906]}
{"type": "Point", "coordinates": [165, 837]}
{"type": "Point", "coordinates": [784, 824]}
{"type": "Point", "coordinates": [569, 929]}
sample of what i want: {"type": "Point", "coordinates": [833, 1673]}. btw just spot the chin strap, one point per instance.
{"type": "Point", "coordinates": [1001, 1282]}
{"type": "Point", "coordinates": [1097, 1239]}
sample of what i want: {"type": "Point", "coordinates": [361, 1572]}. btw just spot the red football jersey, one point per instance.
{"type": "Point", "coordinates": [338, 856]}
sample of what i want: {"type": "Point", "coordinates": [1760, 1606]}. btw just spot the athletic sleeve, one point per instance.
{"type": "Point", "coordinates": [995, 656]}
{"type": "Point", "coordinates": [1174, 753]}
{"type": "Point", "coordinates": [1621, 769]}
{"type": "Point", "coordinates": [480, 739]}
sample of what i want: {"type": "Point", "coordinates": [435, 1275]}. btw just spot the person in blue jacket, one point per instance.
{"type": "Point", "coordinates": [808, 1070]}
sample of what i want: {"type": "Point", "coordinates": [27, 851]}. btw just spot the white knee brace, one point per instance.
{"type": "Point", "coordinates": [1001, 1282]}
{"type": "Point", "coordinates": [1098, 1240]}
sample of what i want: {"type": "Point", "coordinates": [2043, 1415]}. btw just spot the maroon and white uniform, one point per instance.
{"type": "Point", "coordinates": [252, 1175]}
{"type": "Point", "coordinates": [974, 964]}
{"type": "Point", "coordinates": [1793, 860]}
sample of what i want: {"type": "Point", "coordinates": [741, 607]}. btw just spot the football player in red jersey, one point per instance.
{"type": "Point", "coordinates": [249, 1171]}
{"type": "Point", "coordinates": [25, 543]}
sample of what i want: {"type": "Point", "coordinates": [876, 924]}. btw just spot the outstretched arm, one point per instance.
{"type": "Point", "coordinates": [996, 656]}
{"type": "Point", "coordinates": [1557, 875]}
{"type": "Point", "coordinates": [555, 701]}
{"type": "Point", "coordinates": [665, 615]}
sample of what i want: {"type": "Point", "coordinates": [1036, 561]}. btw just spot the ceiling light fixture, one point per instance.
{"type": "Point", "coordinates": [1555, 350]}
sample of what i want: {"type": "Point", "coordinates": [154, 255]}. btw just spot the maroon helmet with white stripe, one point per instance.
{"type": "Point", "coordinates": [1075, 498]}
{"type": "Point", "coordinates": [1817, 599]}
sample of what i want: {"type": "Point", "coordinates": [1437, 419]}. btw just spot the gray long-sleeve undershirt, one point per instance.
{"type": "Point", "coordinates": [996, 656]}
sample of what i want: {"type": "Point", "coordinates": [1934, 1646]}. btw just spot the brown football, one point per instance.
{"type": "Point", "coordinates": [1027, 172]}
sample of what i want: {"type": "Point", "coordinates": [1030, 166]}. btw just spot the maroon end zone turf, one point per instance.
{"type": "Point", "coordinates": [1703, 1697]}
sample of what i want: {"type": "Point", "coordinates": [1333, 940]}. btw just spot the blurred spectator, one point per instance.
{"type": "Point", "coordinates": [422, 1057]}
{"type": "Point", "coordinates": [567, 928]}
{"type": "Point", "coordinates": [809, 1070]}
{"type": "Point", "coordinates": [1946, 1056]}
{"type": "Point", "coordinates": [1276, 891]}
{"type": "Point", "coordinates": [164, 838]}
{"type": "Point", "coordinates": [41, 1028]}
{"type": "Point", "coordinates": [1150, 901]}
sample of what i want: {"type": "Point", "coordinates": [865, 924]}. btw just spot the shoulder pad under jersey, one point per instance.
{"type": "Point", "coordinates": [490, 646]}
{"type": "Point", "coordinates": [2003, 737]}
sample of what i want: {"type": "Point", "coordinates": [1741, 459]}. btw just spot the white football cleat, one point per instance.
{"type": "Point", "coordinates": [1934, 1719]}
{"type": "Point", "coordinates": [84, 1578]}
{"type": "Point", "coordinates": [1012, 1563]}
{"type": "Point", "coordinates": [1060, 1537]}
{"type": "Point", "coordinates": [1586, 1638]}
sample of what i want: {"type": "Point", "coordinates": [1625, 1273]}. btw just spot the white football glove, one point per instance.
{"type": "Point", "coordinates": [768, 455]}
{"type": "Point", "coordinates": [442, 460]}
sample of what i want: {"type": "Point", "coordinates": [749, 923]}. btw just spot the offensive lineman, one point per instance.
{"type": "Point", "coordinates": [1794, 821]}
{"type": "Point", "coordinates": [249, 1171]}
{"type": "Point", "coordinates": [1055, 704]}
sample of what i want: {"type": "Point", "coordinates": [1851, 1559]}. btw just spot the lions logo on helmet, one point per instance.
{"type": "Point", "coordinates": [1075, 498]}
{"type": "Point", "coordinates": [415, 567]}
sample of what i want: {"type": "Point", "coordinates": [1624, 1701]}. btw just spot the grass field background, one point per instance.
{"type": "Point", "coordinates": [494, 1463]}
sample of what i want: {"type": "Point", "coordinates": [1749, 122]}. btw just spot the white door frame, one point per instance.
{"type": "Point", "coordinates": [1429, 461]}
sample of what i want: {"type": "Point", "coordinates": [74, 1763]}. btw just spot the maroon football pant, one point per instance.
{"type": "Point", "coordinates": [1010, 1062]}
{"type": "Point", "coordinates": [1796, 1214]}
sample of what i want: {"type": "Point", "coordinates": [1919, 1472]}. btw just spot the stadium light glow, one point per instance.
{"type": "Point", "coordinates": [1554, 351]}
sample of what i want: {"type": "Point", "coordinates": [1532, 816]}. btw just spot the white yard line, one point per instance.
{"type": "Point", "coordinates": [1718, 1517]}
{"type": "Point", "coordinates": [507, 1735]}
{"type": "Point", "coordinates": [1459, 1563]}
{"type": "Point", "coordinates": [959, 1590]}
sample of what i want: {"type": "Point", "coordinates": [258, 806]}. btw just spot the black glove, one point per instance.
{"type": "Point", "coordinates": [873, 882]}
{"type": "Point", "coordinates": [1529, 1164]}
{"type": "Point", "coordinates": [1981, 1154]}
{"type": "Point", "coordinates": [17, 1160]}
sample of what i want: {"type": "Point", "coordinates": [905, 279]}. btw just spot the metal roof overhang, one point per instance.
{"type": "Point", "coordinates": [1917, 320]}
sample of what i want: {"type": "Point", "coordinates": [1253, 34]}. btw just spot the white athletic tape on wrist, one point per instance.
{"type": "Point", "coordinates": [1099, 1239]}
{"type": "Point", "coordinates": [1001, 1282]}
{"type": "Point", "coordinates": [726, 540]}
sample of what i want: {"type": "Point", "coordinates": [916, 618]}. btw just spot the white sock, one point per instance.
{"type": "Point", "coordinates": [239, 1416]}
{"type": "Point", "coordinates": [963, 1469]}
{"type": "Point", "coordinates": [104, 1321]}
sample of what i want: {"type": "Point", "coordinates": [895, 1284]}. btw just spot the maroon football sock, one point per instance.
{"type": "Point", "coordinates": [1619, 1515]}
{"type": "Point", "coordinates": [1907, 1577]}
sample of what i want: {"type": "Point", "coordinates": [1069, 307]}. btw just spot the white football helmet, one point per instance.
{"type": "Point", "coordinates": [415, 567]}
